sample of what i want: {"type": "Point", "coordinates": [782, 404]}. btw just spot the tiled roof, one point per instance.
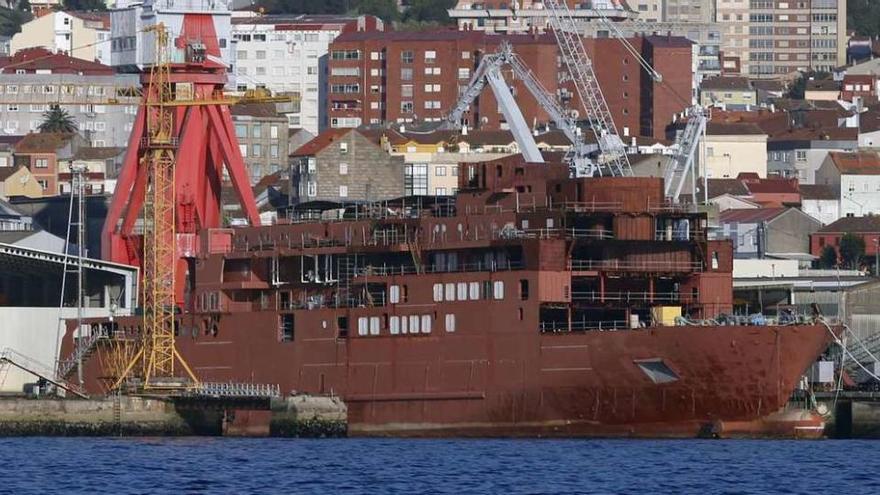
{"type": "Point", "coordinates": [320, 142]}
{"type": "Point", "coordinates": [97, 153]}
{"type": "Point", "coordinates": [39, 142]}
{"type": "Point", "coordinates": [736, 129]}
{"type": "Point", "coordinates": [823, 85]}
{"type": "Point", "coordinates": [445, 35]}
{"type": "Point", "coordinates": [773, 186]}
{"type": "Point", "coordinates": [262, 110]}
{"type": "Point", "coordinates": [7, 172]}
{"type": "Point", "coordinates": [34, 59]}
{"type": "Point", "coordinates": [769, 84]}
{"type": "Point", "coordinates": [869, 121]}
{"type": "Point", "coordinates": [751, 215]}
{"type": "Point", "coordinates": [669, 41]}
{"type": "Point", "coordinates": [815, 134]}
{"type": "Point", "coordinates": [817, 191]}
{"type": "Point", "coordinates": [856, 163]}
{"type": "Point", "coordinates": [730, 83]}
{"type": "Point", "coordinates": [718, 187]}
{"type": "Point", "coordinates": [853, 224]}
{"type": "Point", "coordinates": [92, 16]}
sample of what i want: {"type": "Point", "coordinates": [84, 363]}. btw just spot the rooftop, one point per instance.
{"type": "Point", "coordinates": [32, 60]}
{"type": "Point", "coordinates": [320, 142]}
{"type": "Point", "coordinates": [773, 186]}
{"type": "Point", "coordinates": [751, 215]}
{"type": "Point", "coordinates": [43, 142]}
{"type": "Point", "coordinates": [817, 191]}
{"type": "Point", "coordinates": [733, 129]}
{"type": "Point", "coordinates": [97, 153]}
{"type": "Point", "coordinates": [729, 83]}
{"type": "Point", "coordinates": [857, 162]}
{"type": "Point", "coordinates": [823, 85]}
{"type": "Point", "coordinates": [260, 110]}
{"type": "Point", "coordinates": [853, 224]}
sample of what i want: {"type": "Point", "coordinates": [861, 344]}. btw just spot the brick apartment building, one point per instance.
{"type": "Point", "coordinates": [377, 78]}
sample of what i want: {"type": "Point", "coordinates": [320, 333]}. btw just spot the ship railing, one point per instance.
{"type": "Point", "coordinates": [643, 266]}
{"type": "Point", "coordinates": [634, 296]}
{"type": "Point", "coordinates": [388, 270]}
{"type": "Point", "coordinates": [678, 235]}
{"type": "Point", "coordinates": [560, 233]}
{"type": "Point", "coordinates": [236, 390]}
{"type": "Point", "coordinates": [498, 209]}
{"type": "Point", "coordinates": [592, 206]}
{"type": "Point", "coordinates": [669, 207]}
{"type": "Point", "coordinates": [581, 326]}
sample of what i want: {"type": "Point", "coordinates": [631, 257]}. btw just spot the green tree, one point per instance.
{"type": "Point", "coordinates": [429, 11]}
{"type": "Point", "coordinates": [383, 9]}
{"type": "Point", "coordinates": [84, 5]}
{"type": "Point", "coordinates": [57, 119]}
{"type": "Point", "coordinates": [852, 248]}
{"type": "Point", "coordinates": [828, 257]}
{"type": "Point", "coordinates": [24, 5]}
{"type": "Point", "coordinates": [12, 19]}
{"type": "Point", "coordinates": [863, 17]}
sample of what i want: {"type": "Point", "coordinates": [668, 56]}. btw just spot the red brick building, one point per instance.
{"type": "Point", "coordinates": [417, 76]}
{"type": "Point", "coordinates": [868, 228]}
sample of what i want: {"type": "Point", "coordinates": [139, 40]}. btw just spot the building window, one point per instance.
{"type": "Point", "coordinates": [343, 191]}
{"type": "Point", "coordinates": [430, 56]}
{"type": "Point", "coordinates": [241, 131]}
{"type": "Point", "coordinates": [406, 107]}
{"type": "Point", "coordinates": [415, 180]}
{"type": "Point", "coordinates": [44, 184]}
{"type": "Point", "coordinates": [256, 150]}
{"type": "Point", "coordinates": [406, 74]}
{"type": "Point", "coordinates": [273, 132]}
{"type": "Point", "coordinates": [273, 150]}
{"type": "Point", "coordinates": [343, 168]}
{"type": "Point", "coordinates": [261, 54]}
{"type": "Point", "coordinates": [312, 189]}
{"type": "Point", "coordinates": [41, 163]}
{"type": "Point", "coordinates": [257, 131]}
{"type": "Point", "coordinates": [440, 171]}
{"type": "Point", "coordinates": [439, 191]}
{"type": "Point", "coordinates": [464, 73]}
{"type": "Point", "coordinates": [406, 57]}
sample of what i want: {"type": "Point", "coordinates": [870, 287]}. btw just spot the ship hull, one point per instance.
{"type": "Point", "coordinates": [727, 381]}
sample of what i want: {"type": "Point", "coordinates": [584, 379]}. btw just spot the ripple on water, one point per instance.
{"type": "Point", "coordinates": [457, 467]}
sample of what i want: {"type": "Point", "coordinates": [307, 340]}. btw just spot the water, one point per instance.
{"type": "Point", "coordinates": [379, 466]}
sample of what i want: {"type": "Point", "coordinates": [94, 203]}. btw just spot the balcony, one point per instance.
{"type": "Point", "coordinates": [633, 296]}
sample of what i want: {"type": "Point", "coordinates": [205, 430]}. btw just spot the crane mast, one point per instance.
{"type": "Point", "coordinates": [612, 160]}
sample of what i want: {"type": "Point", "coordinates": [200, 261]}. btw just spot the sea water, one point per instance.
{"type": "Point", "coordinates": [380, 466]}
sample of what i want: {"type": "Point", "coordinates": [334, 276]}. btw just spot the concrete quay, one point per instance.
{"type": "Point", "coordinates": [296, 416]}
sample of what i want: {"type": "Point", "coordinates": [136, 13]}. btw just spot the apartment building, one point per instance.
{"type": "Point", "coordinates": [38, 78]}
{"type": "Point", "coordinates": [84, 35]}
{"type": "Point", "coordinates": [42, 154]}
{"type": "Point", "coordinates": [768, 38]}
{"type": "Point", "coordinates": [378, 78]}
{"type": "Point", "coordinates": [689, 10]}
{"type": "Point", "coordinates": [503, 16]}
{"type": "Point", "coordinates": [262, 138]}
{"type": "Point", "coordinates": [288, 55]}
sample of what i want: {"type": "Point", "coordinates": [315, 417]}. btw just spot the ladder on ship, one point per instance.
{"type": "Point", "coordinates": [346, 269]}
{"type": "Point", "coordinates": [415, 250]}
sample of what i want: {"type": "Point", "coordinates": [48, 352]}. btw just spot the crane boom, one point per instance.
{"type": "Point", "coordinates": [489, 70]}
{"type": "Point", "coordinates": [613, 159]}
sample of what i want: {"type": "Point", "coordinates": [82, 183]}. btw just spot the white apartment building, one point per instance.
{"type": "Point", "coordinates": [84, 35]}
{"type": "Point", "coordinates": [505, 16]}
{"type": "Point", "coordinates": [287, 54]}
{"type": "Point", "coordinates": [771, 38]}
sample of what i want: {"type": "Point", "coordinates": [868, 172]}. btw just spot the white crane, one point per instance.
{"type": "Point", "coordinates": [682, 162]}
{"type": "Point", "coordinates": [489, 71]}
{"type": "Point", "coordinates": [612, 159]}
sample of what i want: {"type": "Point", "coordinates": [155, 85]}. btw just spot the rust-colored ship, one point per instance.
{"type": "Point", "coordinates": [531, 304]}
